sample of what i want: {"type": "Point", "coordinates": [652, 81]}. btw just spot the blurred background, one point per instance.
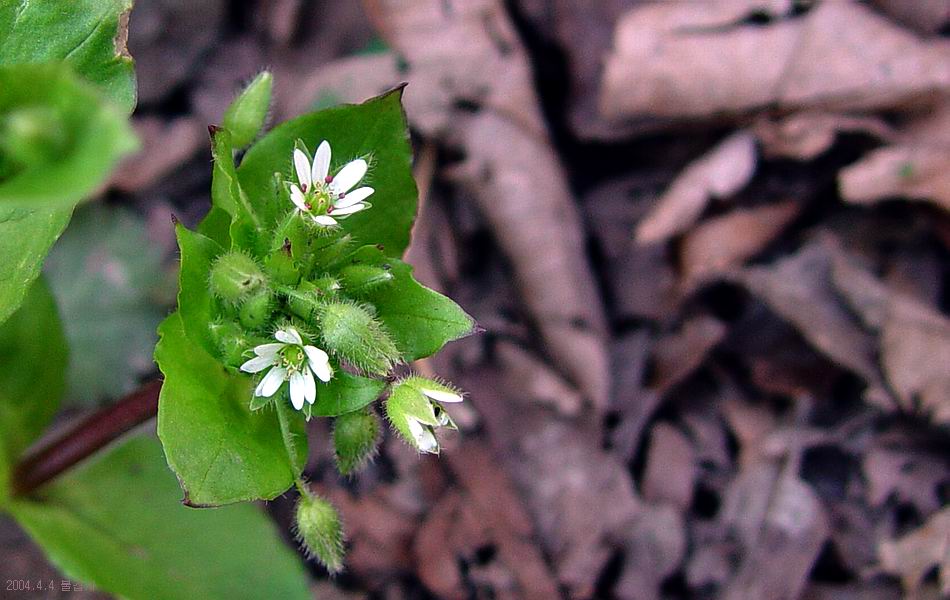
{"type": "Point", "coordinates": [707, 241]}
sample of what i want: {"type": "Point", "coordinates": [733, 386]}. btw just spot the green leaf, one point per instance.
{"type": "Point", "coordinates": [25, 238]}
{"type": "Point", "coordinates": [195, 301]}
{"type": "Point", "coordinates": [220, 450]}
{"type": "Point", "coordinates": [106, 283]}
{"type": "Point", "coordinates": [227, 194]}
{"type": "Point", "coordinates": [418, 319]}
{"type": "Point", "coordinates": [116, 523]}
{"type": "Point", "coordinates": [59, 136]}
{"type": "Point", "coordinates": [88, 34]}
{"type": "Point", "coordinates": [375, 131]}
{"type": "Point", "coordinates": [343, 394]}
{"type": "Point", "coordinates": [33, 354]}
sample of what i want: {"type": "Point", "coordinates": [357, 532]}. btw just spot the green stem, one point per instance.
{"type": "Point", "coordinates": [291, 446]}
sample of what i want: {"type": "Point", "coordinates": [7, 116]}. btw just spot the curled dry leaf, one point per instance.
{"type": "Point", "coordinates": [913, 555]}
{"type": "Point", "coordinates": [799, 289]}
{"type": "Point", "coordinates": [722, 243]}
{"type": "Point", "coordinates": [469, 53]}
{"type": "Point", "coordinates": [541, 383]}
{"type": "Point", "coordinates": [805, 135]}
{"type": "Point", "coordinates": [722, 172]}
{"type": "Point", "coordinates": [914, 340]}
{"type": "Point", "coordinates": [680, 353]}
{"type": "Point", "coordinates": [699, 60]}
{"type": "Point", "coordinates": [917, 172]}
{"type": "Point", "coordinates": [671, 467]}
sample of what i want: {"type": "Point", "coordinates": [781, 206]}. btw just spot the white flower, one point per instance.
{"type": "Point", "coordinates": [289, 360]}
{"type": "Point", "coordinates": [440, 395]}
{"type": "Point", "coordinates": [425, 439]}
{"type": "Point", "coordinates": [319, 194]}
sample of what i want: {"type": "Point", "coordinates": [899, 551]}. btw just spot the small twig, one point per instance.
{"type": "Point", "coordinates": [50, 459]}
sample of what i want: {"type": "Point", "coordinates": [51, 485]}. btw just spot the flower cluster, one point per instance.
{"type": "Point", "coordinates": [289, 359]}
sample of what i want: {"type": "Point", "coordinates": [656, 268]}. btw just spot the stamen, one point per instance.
{"type": "Point", "coordinates": [341, 195]}
{"type": "Point", "coordinates": [303, 188]}
{"type": "Point", "coordinates": [329, 179]}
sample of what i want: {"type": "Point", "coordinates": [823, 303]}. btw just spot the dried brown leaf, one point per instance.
{"type": "Point", "coordinates": [722, 243]}
{"type": "Point", "coordinates": [805, 135]}
{"type": "Point", "coordinates": [680, 353]}
{"type": "Point", "coordinates": [913, 555]}
{"type": "Point", "coordinates": [165, 146]}
{"type": "Point", "coordinates": [671, 468]}
{"type": "Point", "coordinates": [541, 383]}
{"type": "Point", "coordinates": [917, 172]}
{"type": "Point", "coordinates": [720, 173]}
{"type": "Point", "coordinates": [697, 60]}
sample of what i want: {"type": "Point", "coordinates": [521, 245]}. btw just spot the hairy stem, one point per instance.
{"type": "Point", "coordinates": [52, 457]}
{"type": "Point", "coordinates": [291, 446]}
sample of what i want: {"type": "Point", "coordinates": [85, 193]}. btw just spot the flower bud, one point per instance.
{"type": "Point", "coordinates": [236, 276]}
{"type": "Point", "coordinates": [351, 331]}
{"type": "Point", "coordinates": [320, 532]}
{"type": "Point", "coordinates": [229, 338]}
{"type": "Point", "coordinates": [363, 278]}
{"type": "Point", "coordinates": [281, 266]}
{"type": "Point", "coordinates": [245, 117]}
{"type": "Point", "coordinates": [329, 251]}
{"type": "Point", "coordinates": [257, 310]}
{"type": "Point", "coordinates": [355, 439]}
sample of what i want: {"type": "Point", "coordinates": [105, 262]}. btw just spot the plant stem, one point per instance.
{"type": "Point", "coordinates": [290, 446]}
{"type": "Point", "coordinates": [52, 457]}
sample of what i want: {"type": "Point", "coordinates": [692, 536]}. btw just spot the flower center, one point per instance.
{"type": "Point", "coordinates": [292, 358]}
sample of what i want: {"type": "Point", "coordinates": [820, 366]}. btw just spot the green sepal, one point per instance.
{"type": "Point", "coordinates": [320, 531]}
{"type": "Point", "coordinates": [245, 117]}
{"type": "Point", "coordinates": [355, 440]}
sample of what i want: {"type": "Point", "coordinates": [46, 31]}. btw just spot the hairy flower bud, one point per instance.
{"type": "Point", "coordinates": [236, 276]}
{"type": "Point", "coordinates": [352, 332]}
{"type": "Point", "coordinates": [245, 117]}
{"type": "Point", "coordinates": [320, 532]}
{"type": "Point", "coordinates": [229, 338]}
{"type": "Point", "coordinates": [414, 409]}
{"type": "Point", "coordinates": [363, 278]}
{"type": "Point", "coordinates": [256, 311]}
{"type": "Point", "coordinates": [355, 439]}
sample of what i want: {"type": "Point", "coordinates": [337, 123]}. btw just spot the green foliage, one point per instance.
{"type": "Point", "coordinates": [220, 450]}
{"type": "Point", "coordinates": [350, 331]}
{"type": "Point", "coordinates": [116, 523]}
{"type": "Point", "coordinates": [33, 355]}
{"type": "Point", "coordinates": [376, 131]}
{"type": "Point", "coordinates": [107, 285]}
{"type": "Point", "coordinates": [355, 440]}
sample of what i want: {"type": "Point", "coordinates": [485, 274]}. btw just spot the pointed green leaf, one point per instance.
{"type": "Point", "coordinates": [375, 131]}
{"type": "Point", "coordinates": [344, 393]}
{"type": "Point", "coordinates": [220, 450]}
{"type": "Point", "coordinates": [116, 523]}
{"type": "Point", "coordinates": [195, 301]}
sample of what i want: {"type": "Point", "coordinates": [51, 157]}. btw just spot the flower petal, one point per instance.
{"type": "Point", "coordinates": [349, 175]}
{"type": "Point", "coordinates": [297, 390]}
{"type": "Point", "coordinates": [319, 363]}
{"type": "Point", "coordinates": [271, 382]}
{"type": "Point", "coordinates": [349, 210]}
{"type": "Point", "coordinates": [268, 350]}
{"type": "Point", "coordinates": [324, 220]}
{"type": "Point", "coordinates": [357, 195]}
{"type": "Point", "coordinates": [297, 197]}
{"type": "Point", "coordinates": [302, 166]}
{"type": "Point", "coordinates": [441, 395]}
{"type": "Point", "coordinates": [321, 162]}
{"type": "Point", "coordinates": [425, 441]}
{"type": "Point", "coordinates": [289, 336]}
{"type": "Point", "coordinates": [257, 364]}
{"type": "Point", "coordinates": [310, 386]}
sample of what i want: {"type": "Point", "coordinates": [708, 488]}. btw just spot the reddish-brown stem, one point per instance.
{"type": "Point", "coordinates": [48, 460]}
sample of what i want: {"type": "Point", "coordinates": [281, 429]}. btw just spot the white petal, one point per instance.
{"type": "Point", "coordinates": [268, 350]}
{"type": "Point", "coordinates": [289, 336]}
{"type": "Point", "coordinates": [297, 390]}
{"type": "Point", "coordinates": [321, 162]}
{"type": "Point", "coordinates": [349, 210]}
{"type": "Point", "coordinates": [271, 382]}
{"type": "Point", "coordinates": [357, 195]}
{"type": "Point", "coordinates": [324, 220]}
{"type": "Point", "coordinates": [302, 166]}
{"type": "Point", "coordinates": [257, 364]}
{"type": "Point", "coordinates": [297, 197]}
{"type": "Point", "coordinates": [310, 386]}
{"type": "Point", "coordinates": [349, 176]}
{"type": "Point", "coordinates": [425, 441]}
{"type": "Point", "coordinates": [319, 363]}
{"type": "Point", "coordinates": [441, 395]}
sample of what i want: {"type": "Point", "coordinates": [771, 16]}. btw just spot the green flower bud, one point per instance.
{"type": "Point", "coordinates": [350, 331]}
{"type": "Point", "coordinates": [308, 299]}
{"type": "Point", "coordinates": [414, 410]}
{"type": "Point", "coordinates": [363, 278]}
{"type": "Point", "coordinates": [281, 266]}
{"type": "Point", "coordinates": [257, 310]}
{"type": "Point", "coordinates": [245, 117]}
{"type": "Point", "coordinates": [229, 338]}
{"type": "Point", "coordinates": [320, 532]}
{"type": "Point", "coordinates": [330, 251]}
{"type": "Point", "coordinates": [355, 439]}
{"type": "Point", "coordinates": [236, 276]}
